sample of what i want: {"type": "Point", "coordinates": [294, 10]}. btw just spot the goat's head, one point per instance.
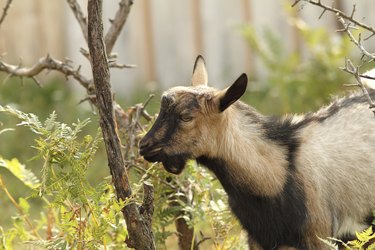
{"type": "Point", "coordinates": [187, 118]}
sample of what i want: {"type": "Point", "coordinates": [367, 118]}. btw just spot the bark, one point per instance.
{"type": "Point", "coordinates": [185, 235]}
{"type": "Point", "coordinates": [138, 225]}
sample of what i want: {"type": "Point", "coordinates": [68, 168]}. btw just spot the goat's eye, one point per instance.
{"type": "Point", "coordinates": [186, 117]}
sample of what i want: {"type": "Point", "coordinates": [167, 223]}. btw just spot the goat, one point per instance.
{"type": "Point", "coordinates": [290, 179]}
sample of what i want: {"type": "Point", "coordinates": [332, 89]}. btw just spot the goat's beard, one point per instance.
{"type": "Point", "coordinates": [175, 163]}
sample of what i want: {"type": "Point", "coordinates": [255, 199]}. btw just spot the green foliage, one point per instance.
{"type": "Point", "coordinates": [76, 214]}
{"type": "Point", "coordinates": [365, 240]}
{"type": "Point", "coordinates": [20, 171]}
{"type": "Point", "coordinates": [297, 81]}
{"type": "Point", "coordinates": [198, 197]}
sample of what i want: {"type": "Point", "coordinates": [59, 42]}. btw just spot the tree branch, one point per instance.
{"type": "Point", "coordinates": [339, 13]}
{"type": "Point", "coordinates": [117, 24]}
{"type": "Point", "coordinates": [349, 22]}
{"type": "Point", "coordinates": [358, 42]}
{"type": "Point", "coordinates": [46, 63]}
{"type": "Point", "coordinates": [5, 11]}
{"type": "Point", "coordinates": [351, 69]}
{"type": "Point", "coordinates": [140, 234]}
{"type": "Point", "coordinates": [77, 11]}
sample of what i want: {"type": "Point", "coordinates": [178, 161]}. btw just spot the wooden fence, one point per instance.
{"type": "Point", "coordinates": [163, 37]}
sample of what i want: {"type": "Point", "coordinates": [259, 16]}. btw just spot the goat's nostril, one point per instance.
{"type": "Point", "coordinates": [144, 144]}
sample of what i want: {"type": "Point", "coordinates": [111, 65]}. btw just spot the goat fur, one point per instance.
{"type": "Point", "coordinates": [290, 179]}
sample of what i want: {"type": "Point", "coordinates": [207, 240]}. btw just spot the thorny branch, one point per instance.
{"type": "Point", "coordinates": [349, 22]}
{"type": "Point", "coordinates": [347, 26]}
{"type": "Point", "coordinates": [5, 11]}
{"type": "Point", "coordinates": [47, 63]}
{"type": "Point", "coordinates": [338, 13]}
{"type": "Point", "coordinates": [350, 68]}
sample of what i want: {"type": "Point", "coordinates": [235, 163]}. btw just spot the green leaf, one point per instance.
{"type": "Point", "coordinates": [19, 170]}
{"type": "Point", "coordinates": [24, 205]}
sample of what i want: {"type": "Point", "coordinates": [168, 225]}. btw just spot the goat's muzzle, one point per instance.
{"type": "Point", "coordinates": [149, 151]}
{"type": "Point", "coordinates": [154, 153]}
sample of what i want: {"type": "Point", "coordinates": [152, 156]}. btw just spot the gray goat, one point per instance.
{"type": "Point", "coordinates": [289, 179]}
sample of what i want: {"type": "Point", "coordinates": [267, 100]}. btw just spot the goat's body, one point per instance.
{"type": "Point", "coordinates": [289, 180]}
{"type": "Point", "coordinates": [328, 165]}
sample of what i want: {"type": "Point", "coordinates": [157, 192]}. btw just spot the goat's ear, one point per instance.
{"type": "Point", "coordinates": [228, 96]}
{"type": "Point", "coordinates": [199, 72]}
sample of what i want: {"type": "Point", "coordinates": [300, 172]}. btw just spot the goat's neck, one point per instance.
{"type": "Point", "coordinates": [252, 162]}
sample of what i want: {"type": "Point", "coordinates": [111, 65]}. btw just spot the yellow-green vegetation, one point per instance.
{"type": "Point", "coordinates": [54, 186]}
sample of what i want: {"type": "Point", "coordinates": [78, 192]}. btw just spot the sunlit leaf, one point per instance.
{"type": "Point", "coordinates": [19, 170]}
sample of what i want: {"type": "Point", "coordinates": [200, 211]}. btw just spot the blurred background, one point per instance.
{"type": "Point", "coordinates": [163, 37]}
{"type": "Point", "coordinates": [292, 58]}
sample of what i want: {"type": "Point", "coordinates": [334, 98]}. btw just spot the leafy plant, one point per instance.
{"type": "Point", "coordinates": [296, 81]}
{"type": "Point", "coordinates": [364, 240]}
{"type": "Point", "coordinates": [76, 214]}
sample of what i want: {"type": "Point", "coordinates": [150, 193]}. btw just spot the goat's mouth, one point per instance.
{"type": "Point", "coordinates": [175, 164]}
{"type": "Point", "coordinates": [172, 163]}
{"type": "Point", "coordinates": [153, 155]}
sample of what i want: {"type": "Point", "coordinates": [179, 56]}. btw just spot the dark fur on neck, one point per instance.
{"type": "Point", "coordinates": [271, 221]}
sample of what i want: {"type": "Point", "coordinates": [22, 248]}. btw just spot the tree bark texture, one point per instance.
{"type": "Point", "coordinates": [138, 225]}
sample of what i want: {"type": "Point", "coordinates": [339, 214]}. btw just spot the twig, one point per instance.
{"type": "Point", "coordinates": [296, 2]}
{"type": "Point", "coordinates": [367, 77]}
{"type": "Point", "coordinates": [20, 210]}
{"type": "Point", "coordinates": [201, 241]}
{"type": "Point", "coordinates": [45, 63]}
{"type": "Point", "coordinates": [349, 22]}
{"type": "Point", "coordinates": [140, 169]}
{"type": "Point", "coordinates": [113, 64]}
{"type": "Point", "coordinates": [358, 42]}
{"type": "Point", "coordinates": [5, 11]}
{"type": "Point", "coordinates": [339, 13]}
{"type": "Point", "coordinates": [117, 24]}
{"type": "Point", "coordinates": [77, 11]}
{"type": "Point", "coordinates": [350, 68]}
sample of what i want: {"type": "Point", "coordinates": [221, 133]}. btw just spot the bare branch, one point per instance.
{"type": "Point", "coordinates": [77, 11]}
{"type": "Point", "coordinates": [5, 11]}
{"type": "Point", "coordinates": [349, 22]}
{"type": "Point", "coordinates": [45, 63]}
{"type": "Point", "coordinates": [340, 14]}
{"type": "Point", "coordinates": [367, 77]}
{"type": "Point", "coordinates": [295, 3]}
{"type": "Point", "coordinates": [113, 64]}
{"type": "Point", "coordinates": [358, 42]}
{"type": "Point", "coordinates": [350, 68]}
{"type": "Point", "coordinates": [117, 24]}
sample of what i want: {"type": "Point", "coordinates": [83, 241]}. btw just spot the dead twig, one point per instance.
{"type": "Point", "coordinates": [46, 63]}
{"type": "Point", "coordinates": [349, 22]}
{"type": "Point", "coordinates": [339, 13]}
{"type": "Point", "coordinates": [5, 11]}
{"type": "Point", "coordinates": [117, 24]}
{"type": "Point", "coordinates": [351, 69]}
{"type": "Point", "coordinates": [81, 19]}
{"type": "Point", "coordinates": [358, 42]}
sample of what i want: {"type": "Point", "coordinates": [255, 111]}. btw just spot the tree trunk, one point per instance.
{"type": "Point", "coordinates": [138, 224]}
